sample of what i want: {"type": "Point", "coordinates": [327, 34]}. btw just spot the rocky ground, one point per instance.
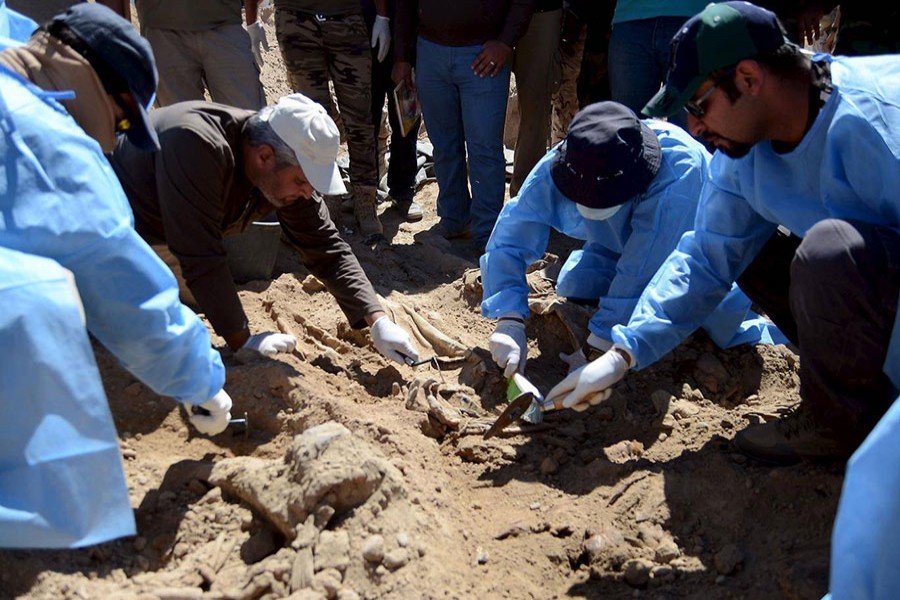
{"type": "Point", "coordinates": [360, 478]}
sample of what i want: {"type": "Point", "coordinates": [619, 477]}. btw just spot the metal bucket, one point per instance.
{"type": "Point", "coordinates": [252, 253]}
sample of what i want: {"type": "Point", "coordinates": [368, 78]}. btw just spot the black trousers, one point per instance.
{"type": "Point", "coordinates": [834, 294]}
{"type": "Point", "coordinates": [402, 167]}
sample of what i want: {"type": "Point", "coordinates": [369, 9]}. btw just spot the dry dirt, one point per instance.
{"type": "Point", "coordinates": [359, 478]}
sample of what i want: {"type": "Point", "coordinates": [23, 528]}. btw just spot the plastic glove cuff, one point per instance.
{"type": "Point", "coordinates": [626, 354]}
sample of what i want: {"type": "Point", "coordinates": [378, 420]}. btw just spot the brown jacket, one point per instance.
{"type": "Point", "coordinates": [193, 192]}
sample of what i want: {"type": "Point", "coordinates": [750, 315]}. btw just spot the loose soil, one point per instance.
{"type": "Point", "coordinates": [361, 478]}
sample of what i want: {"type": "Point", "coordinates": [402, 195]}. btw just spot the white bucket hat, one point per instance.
{"type": "Point", "coordinates": [305, 126]}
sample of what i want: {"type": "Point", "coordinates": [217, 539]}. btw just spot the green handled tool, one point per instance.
{"type": "Point", "coordinates": [525, 403]}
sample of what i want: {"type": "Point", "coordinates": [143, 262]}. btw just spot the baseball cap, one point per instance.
{"type": "Point", "coordinates": [122, 59]}
{"type": "Point", "coordinates": [720, 36]}
{"type": "Point", "coordinates": [306, 127]}
{"type": "Point", "coordinates": [608, 157]}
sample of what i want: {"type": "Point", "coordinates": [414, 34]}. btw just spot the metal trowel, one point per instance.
{"type": "Point", "coordinates": [526, 403]}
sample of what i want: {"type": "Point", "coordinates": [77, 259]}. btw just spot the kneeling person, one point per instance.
{"type": "Point", "coordinates": [219, 169]}
{"type": "Point", "coordinates": [629, 189]}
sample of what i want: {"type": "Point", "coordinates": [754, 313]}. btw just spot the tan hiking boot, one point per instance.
{"type": "Point", "coordinates": [364, 208]}
{"type": "Point", "coordinates": [793, 438]}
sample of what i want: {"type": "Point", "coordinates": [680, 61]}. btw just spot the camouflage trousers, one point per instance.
{"type": "Point", "coordinates": [564, 102]}
{"type": "Point", "coordinates": [338, 50]}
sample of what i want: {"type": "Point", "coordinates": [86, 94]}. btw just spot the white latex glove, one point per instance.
{"type": "Point", "coordinates": [381, 36]}
{"type": "Point", "coordinates": [576, 360]}
{"type": "Point", "coordinates": [215, 416]}
{"type": "Point", "coordinates": [270, 344]}
{"type": "Point", "coordinates": [509, 346]}
{"type": "Point", "coordinates": [589, 385]}
{"type": "Point", "coordinates": [392, 341]}
{"type": "Point", "coordinates": [258, 41]}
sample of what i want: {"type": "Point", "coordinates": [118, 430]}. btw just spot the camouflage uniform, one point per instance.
{"type": "Point", "coordinates": [564, 102]}
{"type": "Point", "coordinates": [317, 49]}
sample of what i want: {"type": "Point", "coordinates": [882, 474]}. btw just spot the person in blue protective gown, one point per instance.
{"type": "Point", "coordinates": [629, 189]}
{"type": "Point", "coordinates": [865, 560]}
{"type": "Point", "coordinates": [802, 209]}
{"type": "Point", "coordinates": [71, 264]}
{"type": "Point", "coordinates": [14, 26]}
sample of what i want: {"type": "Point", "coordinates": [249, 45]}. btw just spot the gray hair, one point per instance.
{"type": "Point", "coordinates": [258, 132]}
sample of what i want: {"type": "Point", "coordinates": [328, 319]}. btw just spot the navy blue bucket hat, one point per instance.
{"type": "Point", "coordinates": [122, 59]}
{"type": "Point", "coordinates": [608, 157]}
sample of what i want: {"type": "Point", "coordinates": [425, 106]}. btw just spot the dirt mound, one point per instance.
{"type": "Point", "coordinates": [360, 478]}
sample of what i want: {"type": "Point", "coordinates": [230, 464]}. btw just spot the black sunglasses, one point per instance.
{"type": "Point", "coordinates": [695, 107]}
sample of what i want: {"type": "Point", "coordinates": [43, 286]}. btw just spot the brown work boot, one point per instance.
{"type": "Point", "coordinates": [364, 208]}
{"type": "Point", "coordinates": [793, 438]}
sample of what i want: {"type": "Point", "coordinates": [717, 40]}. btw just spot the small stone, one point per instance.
{"type": "Point", "coordinates": [593, 546]}
{"type": "Point", "coordinates": [402, 540]}
{"type": "Point", "coordinates": [549, 466]}
{"type": "Point", "coordinates": [396, 559]}
{"type": "Point", "coordinates": [663, 573]}
{"type": "Point", "coordinates": [481, 555]}
{"type": "Point", "coordinates": [727, 559]}
{"type": "Point", "coordinates": [666, 552]}
{"type": "Point", "coordinates": [373, 549]}
{"type": "Point", "coordinates": [139, 543]}
{"type": "Point", "coordinates": [637, 572]}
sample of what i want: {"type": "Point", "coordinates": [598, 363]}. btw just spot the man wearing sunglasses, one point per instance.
{"type": "Point", "coordinates": [802, 210]}
{"type": "Point", "coordinates": [629, 189]}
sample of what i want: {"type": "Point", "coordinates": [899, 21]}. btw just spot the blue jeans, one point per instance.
{"type": "Point", "coordinates": [464, 112]}
{"type": "Point", "coordinates": [639, 59]}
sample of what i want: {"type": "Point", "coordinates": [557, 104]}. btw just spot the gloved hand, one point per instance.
{"type": "Point", "coordinates": [589, 385]}
{"type": "Point", "coordinates": [576, 360]}
{"type": "Point", "coordinates": [257, 41]}
{"type": "Point", "coordinates": [381, 36]}
{"type": "Point", "coordinates": [595, 347]}
{"type": "Point", "coordinates": [390, 339]}
{"type": "Point", "coordinates": [215, 415]}
{"type": "Point", "coordinates": [509, 346]}
{"type": "Point", "coordinates": [270, 344]}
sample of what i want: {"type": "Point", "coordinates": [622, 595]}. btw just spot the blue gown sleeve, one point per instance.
{"type": "Point", "coordinates": [696, 276]}
{"type": "Point", "coordinates": [63, 201]}
{"type": "Point", "coordinates": [659, 218]}
{"type": "Point", "coordinates": [520, 237]}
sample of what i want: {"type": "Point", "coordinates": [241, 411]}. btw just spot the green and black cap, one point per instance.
{"type": "Point", "coordinates": [720, 36]}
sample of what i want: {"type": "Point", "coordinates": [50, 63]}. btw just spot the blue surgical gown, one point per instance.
{"type": "Point", "coordinates": [59, 199]}
{"type": "Point", "coordinates": [847, 167]}
{"type": "Point", "coordinates": [865, 557]}
{"type": "Point", "coordinates": [620, 254]}
{"type": "Point", "coordinates": [61, 479]}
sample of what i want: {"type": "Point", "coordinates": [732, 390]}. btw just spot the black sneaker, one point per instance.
{"type": "Point", "coordinates": [791, 439]}
{"type": "Point", "coordinates": [410, 209]}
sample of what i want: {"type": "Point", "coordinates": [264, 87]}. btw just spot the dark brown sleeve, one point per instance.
{"type": "Point", "coordinates": [517, 20]}
{"type": "Point", "coordinates": [405, 19]}
{"type": "Point", "coordinates": [191, 178]}
{"type": "Point", "coordinates": [309, 228]}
